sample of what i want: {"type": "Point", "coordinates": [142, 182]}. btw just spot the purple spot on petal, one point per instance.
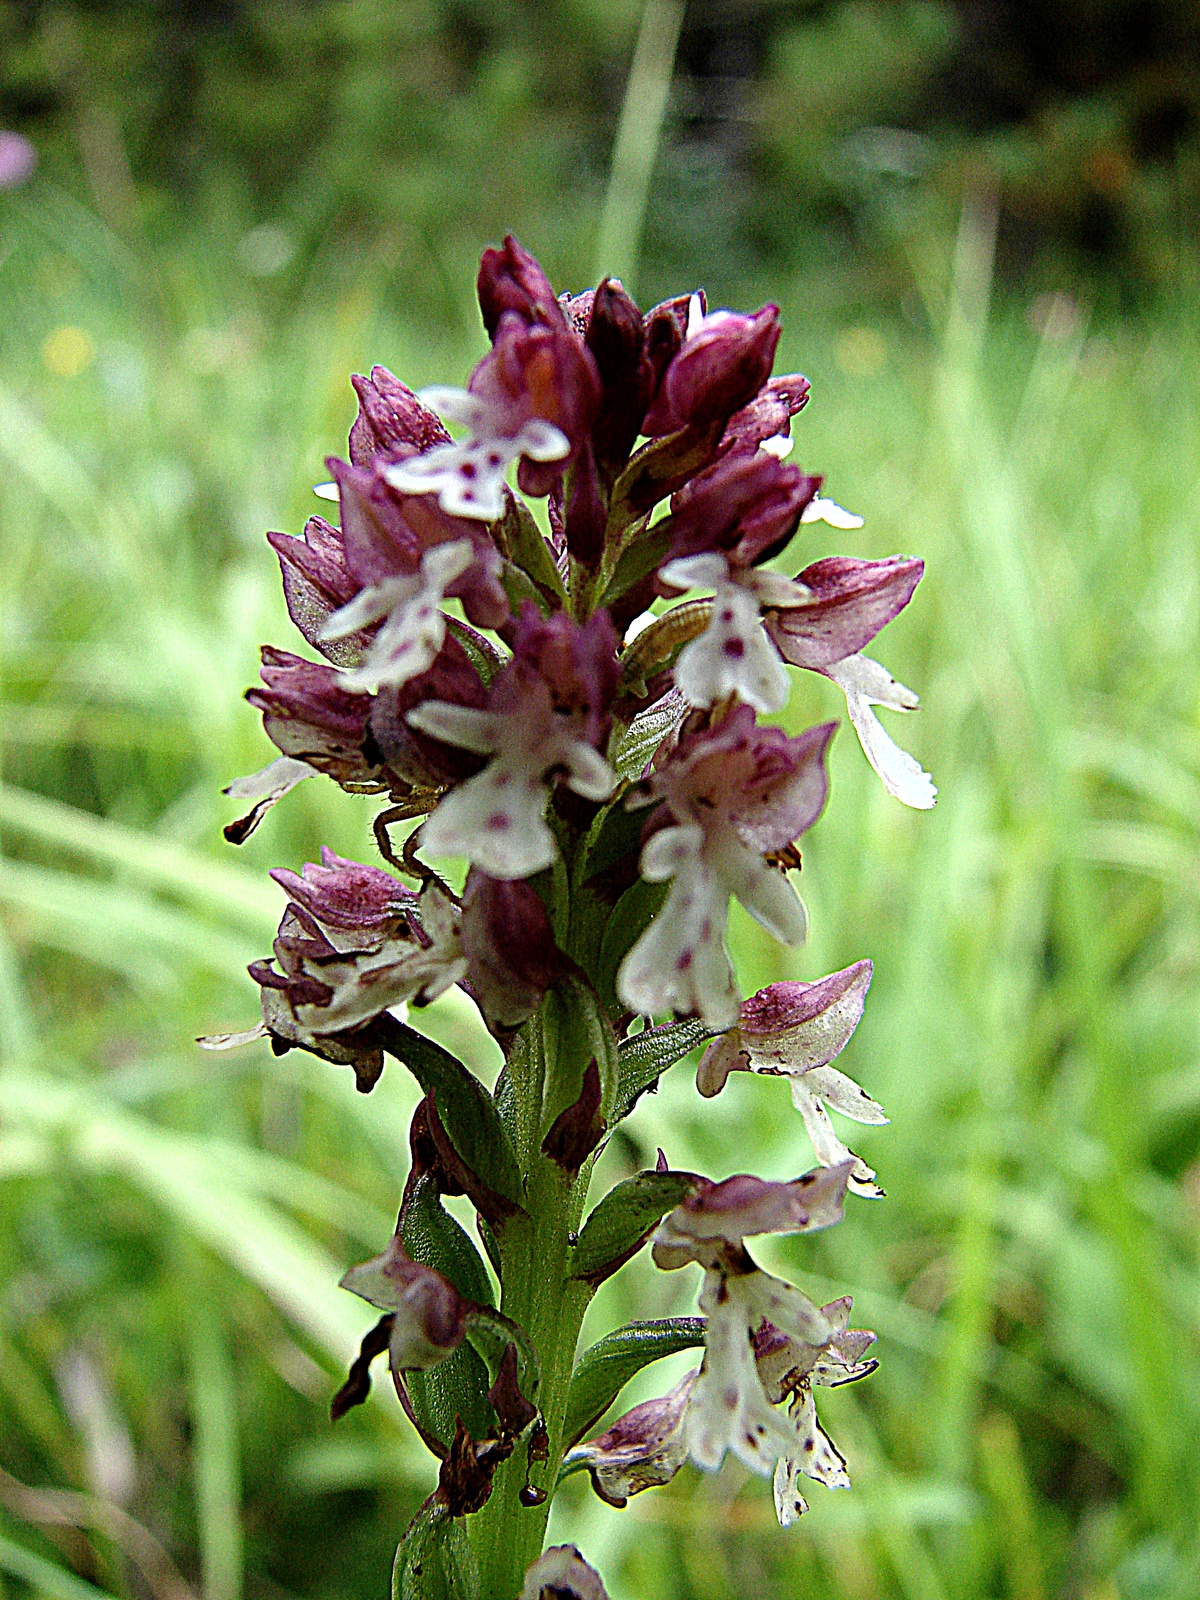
{"type": "Point", "coordinates": [494, 458]}
{"type": "Point", "coordinates": [467, 469]}
{"type": "Point", "coordinates": [684, 961]}
{"type": "Point", "coordinates": [498, 822]}
{"type": "Point", "coordinates": [727, 615]}
{"type": "Point", "coordinates": [735, 648]}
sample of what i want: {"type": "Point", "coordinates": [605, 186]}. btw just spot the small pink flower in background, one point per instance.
{"type": "Point", "coordinates": [18, 158]}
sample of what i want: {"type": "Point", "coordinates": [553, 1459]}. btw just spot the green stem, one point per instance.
{"type": "Point", "coordinates": [507, 1535]}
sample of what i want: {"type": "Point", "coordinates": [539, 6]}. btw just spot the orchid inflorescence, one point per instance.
{"type": "Point", "coordinates": [571, 707]}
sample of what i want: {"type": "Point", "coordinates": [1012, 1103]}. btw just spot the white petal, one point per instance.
{"type": "Point", "coordinates": [733, 655]}
{"type": "Point", "coordinates": [496, 821]}
{"type": "Point", "coordinates": [695, 319]}
{"type": "Point", "coordinates": [679, 964]}
{"type": "Point", "coordinates": [541, 441]}
{"type": "Point", "coordinates": [762, 889]}
{"type": "Point", "coordinates": [901, 775]}
{"type": "Point", "coordinates": [464, 726]}
{"type": "Point", "coordinates": [779, 444]}
{"type": "Point", "coordinates": [468, 477]}
{"type": "Point", "coordinates": [828, 1148]}
{"type": "Point", "coordinates": [587, 771]}
{"type": "Point", "coordinates": [789, 1502]}
{"type": "Point", "coordinates": [788, 1308]}
{"type": "Point", "coordinates": [695, 572]}
{"type": "Point", "coordinates": [368, 606]}
{"type": "Point", "coordinates": [817, 1456]}
{"type": "Point", "coordinates": [842, 1094]}
{"type": "Point", "coordinates": [326, 491]}
{"type": "Point", "coordinates": [670, 851]}
{"type": "Point", "coordinates": [775, 588]}
{"type": "Point", "coordinates": [274, 780]}
{"type": "Point", "coordinates": [819, 509]}
{"type": "Point", "coordinates": [232, 1041]}
{"type": "Point", "coordinates": [459, 406]}
{"type": "Point", "coordinates": [728, 1409]}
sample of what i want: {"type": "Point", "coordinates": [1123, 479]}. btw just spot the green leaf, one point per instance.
{"type": "Point", "coordinates": [457, 1386]}
{"type": "Point", "coordinates": [490, 1332]}
{"type": "Point", "coordinates": [645, 733]}
{"type": "Point", "coordinates": [520, 539]}
{"type": "Point", "coordinates": [435, 1560]}
{"type": "Point", "coordinates": [44, 1577]}
{"type": "Point", "coordinates": [485, 658]}
{"type": "Point", "coordinates": [431, 1236]}
{"type": "Point", "coordinates": [519, 587]}
{"type": "Point", "coordinates": [619, 1225]}
{"type": "Point", "coordinates": [468, 1114]}
{"type": "Point", "coordinates": [655, 471]}
{"type": "Point", "coordinates": [641, 558]}
{"type": "Point", "coordinates": [578, 1030]}
{"type": "Point", "coordinates": [615, 836]}
{"type": "Point", "coordinates": [630, 919]}
{"type": "Point", "coordinates": [646, 1056]}
{"type": "Point", "coordinates": [606, 1367]}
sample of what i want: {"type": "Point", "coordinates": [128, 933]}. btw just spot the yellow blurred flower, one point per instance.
{"type": "Point", "coordinates": [67, 351]}
{"type": "Point", "coordinates": [861, 352]}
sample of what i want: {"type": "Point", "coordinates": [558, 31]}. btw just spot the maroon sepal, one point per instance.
{"type": "Point", "coordinates": [577, 1131]}
{"type": "Point", "coordinates": [358, 1385]}
{"type": "Point", "coordinates": [495, 1209]}
{"type": "Point", "coordinates": [510, 1405]}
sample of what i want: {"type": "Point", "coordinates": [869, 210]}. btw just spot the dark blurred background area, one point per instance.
{"type": "Point", "coordinates": [813, 136]}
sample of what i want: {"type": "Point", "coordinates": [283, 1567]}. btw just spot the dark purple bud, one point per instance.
{"type": "Point", "coordinates": [852, 601]}
{"type": "Point", "coordinates": [425, 762]}
{"type": "Point", "coordinates": [424, 1160]}
{"type": "Point", "coordinates": [358, 1384]}
{"type": "Point", "coordinates": [586, 511]}
{"type": "Point", "coordinates": [316, 583]}
{"type": "Point", "coordinates": [616, 336]}
{"type": "Point", "coordinates": [539, 372]}
{"type": "Point", "coordinates": [308, 716]}
{"type": "Point", "coordinates": [719, 369]}
{"type": "Point", "coordinates": [577, 1131]}
{"type": "Point", "coordinates": [509, 1404]}
{"type": "Point", "coordinates": [747, 506]}
{"type": "Point", "coordinates": [390, 417]}
{"type": "Point", "coordinates": [768, 415]}
{"type": "Point", "coordinates": [510, 279]}
{"type": "Point", "coordinates": [347, 894]}
{"type": "Point", "coordinates": [509, 945]}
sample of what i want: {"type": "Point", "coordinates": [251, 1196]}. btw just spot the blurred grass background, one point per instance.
{"type": "Point", "coordinates": [979, 222]}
